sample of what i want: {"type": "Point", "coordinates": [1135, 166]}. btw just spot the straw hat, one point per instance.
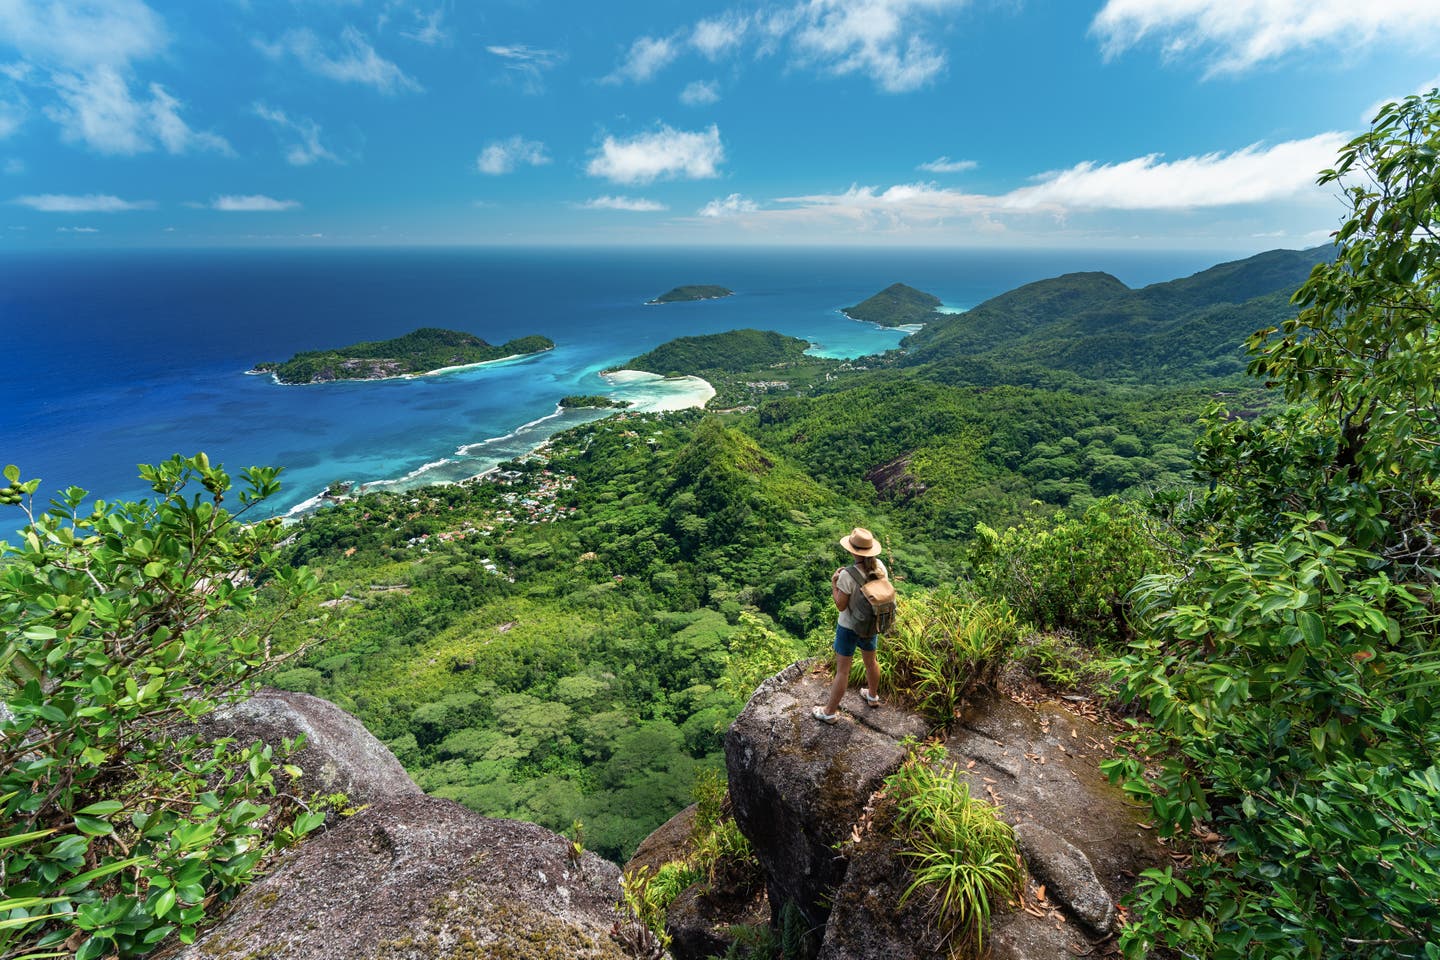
{"type": "Point", "coordinates": [861, 542]}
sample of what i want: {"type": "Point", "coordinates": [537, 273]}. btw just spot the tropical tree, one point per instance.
{"type": "Point", "coordinates": [120, 824]}
{"type": "Point", "coordinates": [1292, 670]}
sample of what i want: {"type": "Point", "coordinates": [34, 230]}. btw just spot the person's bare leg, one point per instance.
{"type": "Point", "coordinates": [842, 680]}
{"type": "Point", "coordinates": [872, 672]}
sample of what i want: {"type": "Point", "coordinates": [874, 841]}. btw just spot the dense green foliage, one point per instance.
{"type": "Point", "coordinates": [1292, 670]}
{"type": "Point", "coordinates": [694, 291]}
{"type": "Point", "coordinates": [895, 306]}
{"type": "Point", "coordinates": [733, 352]}
{"type": "Point", "coordinates": [1092, 325]}
{"type": "Point", "coordinates": [119, 823]}
{"type": "Point", "coordinates": [592, 400]}
{"type": "Point", "coordinates": [421, 351]}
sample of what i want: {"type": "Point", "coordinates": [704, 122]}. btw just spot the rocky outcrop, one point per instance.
{"type": "Point", "coordinates": [797, 785]}
{"type": "Point", "coordinates": [339, 755]}
{"type": "Point", "coordinates": [800, 789]}
{"type": "Point", "coordinates": [409, 876]}
{"type": "Point", "coordinates": [415, 878]}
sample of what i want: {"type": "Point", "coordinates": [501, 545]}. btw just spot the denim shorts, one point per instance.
{"type": "Point", "coordinates": [847, 641]}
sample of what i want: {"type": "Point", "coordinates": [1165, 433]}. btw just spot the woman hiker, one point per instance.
{"type": "Point", "coordinates": [865, 550]}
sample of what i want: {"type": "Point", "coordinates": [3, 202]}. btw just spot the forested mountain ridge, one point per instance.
{"type": "Point", "coordinates": [1093, 325]}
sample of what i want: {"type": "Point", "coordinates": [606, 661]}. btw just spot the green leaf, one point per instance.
{"type": "Point", "coordinates": [104, 808]}
{"type": "Point", "coordinates": [93, 827]}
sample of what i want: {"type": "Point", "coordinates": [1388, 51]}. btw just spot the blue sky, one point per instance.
{"type": "Point", "coordinates": [1070, 123]}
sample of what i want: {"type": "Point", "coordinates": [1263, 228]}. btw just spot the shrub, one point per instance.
{"type": "Point", "coordinates": [962, 855]}
{"type": "Point", "coordinates": [1074, 574]}
{"type": "Point", "coordinates": [118, 825]}
{"type": "Point", "coordinates": [942, 649]}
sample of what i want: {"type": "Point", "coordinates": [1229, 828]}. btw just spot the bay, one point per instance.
{"type": "Point", "coordinates": [113, 359]}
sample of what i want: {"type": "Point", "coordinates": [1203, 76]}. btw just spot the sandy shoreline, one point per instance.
{"type": "Point", "coordinates": [647, 393]}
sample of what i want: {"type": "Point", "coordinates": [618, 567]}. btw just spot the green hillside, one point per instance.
{"type": "Point", "coordinates": [1092, 325]}
{"type": "Point", "coordinates": [896, 306]}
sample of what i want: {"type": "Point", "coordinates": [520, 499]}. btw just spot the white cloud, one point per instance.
{"type": "Point", "coordinates": [1234, 35]}
{"type": "Point", "coordinates": [883, 39]}
{"type": "Point", "coordinates": [79, 34]}
{"type": "Point", "coordinates": [98, 109]}
{"type": "Point", "coordinates": [946, 165]}
{"type": "Point", "coordinates": [77, 229]}
{"type": "Point", "coordinates": [632, 204]}
{"type": "Point", "coordinates": [728, 206]}
{"type": "Point", "coordinates": [356, 62]}
{"type": "Point", "coordinates": [888, 41]}
{"type": "Point", "coordinates": [429, 31]}
{"type": "Point", "coordinates": [503, 156]}
{"type": "Point", "coordinates": [667, 153]}
{"type": "Point", "coordinates": [86, 203]}
{"type": "Point", "coordinates": [715, 38]}
{"type": "Point", "coordinates": [700, 93]}
{"type": "Point", "coordinates": [527, 63]}
{"type": "Point", "coordinates": [308, 149]}
{"type": "Point", "coordinates": [251, 203]}
{"type": "Point", "coordinates": [14, 166]}
{"type": "Point", "coordinates": [647, 57]}
{"type": "Point", "coordinates": [163, 118]}
{"type": "Point", "coordinates": [1253, 174]}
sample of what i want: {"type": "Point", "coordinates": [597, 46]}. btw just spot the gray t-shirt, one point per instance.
{"type": "Point", "coordinates": [846, 585]}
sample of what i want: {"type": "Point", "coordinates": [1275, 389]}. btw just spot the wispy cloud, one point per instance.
{"type": "Point", "coordinates": [700, 93]}
{"type": "Point", "coordinates": [303, 133]}
{"type": "Point", "coordinates": [77, 229]}
{"type": "Point", "coordinates": [82, 55]}
{"type": "Point", "coordinates": [720, 36]}
{"type": "Point", "coordinates": [666, 153]}
{"type": "Point", "coordinates": [1253, 174]}
{"type": "Point", "coordinates": [631, 204]}
{"type": "Point", "coordinates": [647, 57]}
{"type": "Point", "coordinates": [80, 35]}
{"type": "Point", "coordinates": [251, 203]}
{"type": "Point", "coordinates": [428, 30]}
{"type": "Point", "coordinates": [14, 166]}
{"type": "Point", "coordinates": [355, 61]}
{"type": "Point", "coordinates": [504, 156]}
{"type": "Point", "coordinates": [728, 206]}
{"type": "Point", "coordinates": [98, 109]}
{"type": "Point", "coordinates": [888, 41]}
{"type": "Point", "coordinates": [946, 165]}
{"type": "Point", "coordinates": [84, 203]}
{"type": "Point", "coordinates": [1235, 35]}
{"type": "Point", "coordinates": [527, 63]}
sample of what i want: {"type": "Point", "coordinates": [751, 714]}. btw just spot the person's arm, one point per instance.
{"type": "Point", "coordinates": [842, 600]}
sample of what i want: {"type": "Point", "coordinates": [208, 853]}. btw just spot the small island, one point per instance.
{"type": "Point", "coordinates": [896, 306]}
{"type": "Point", "coordinates": [427, 350]}
{"type": "Point", "coordinates": [692, 292]}
{"type": "Point", "coordinates": [731, 352]}
{"type": "Point", "coordinates": [595, 400]}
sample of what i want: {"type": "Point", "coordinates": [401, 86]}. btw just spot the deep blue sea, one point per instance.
{"type": "Point", "coordinates": [115, 359]}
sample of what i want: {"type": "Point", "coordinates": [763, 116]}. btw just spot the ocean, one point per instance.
{"type": "Point", "coordinates": [113, 359]}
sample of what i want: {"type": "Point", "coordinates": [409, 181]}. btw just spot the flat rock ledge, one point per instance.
{"type": "Point", "coordinates": [799, 788]}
